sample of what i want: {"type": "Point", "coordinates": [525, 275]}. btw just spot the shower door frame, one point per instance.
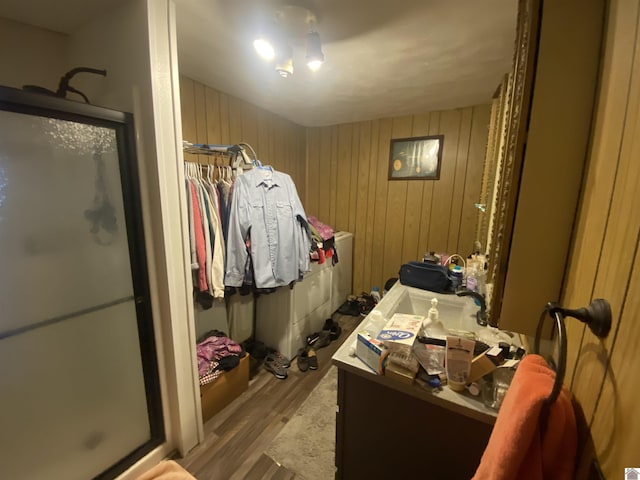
{"type": "Point", "coordinates": [18, 101]}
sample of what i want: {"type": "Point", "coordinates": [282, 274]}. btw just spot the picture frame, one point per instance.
{"type": "Point", "coordinates": [416, 158]}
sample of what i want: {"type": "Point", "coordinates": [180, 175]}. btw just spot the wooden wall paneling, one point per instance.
{"type": "Point", "coordinates": [616, 424]}
{"type": "Point", "coordinates": [362, 205]}
{"type": "Point", "coordinates": [621, 236]}
{"type": "Point", "coordinates": [354, 163]}
{"type": "Point", "coordinates": [473, 177]}
{"type": "Point", "coordinates": [427, 193]}
{"type": "Point", "coordinates": [367, 258]}
{"type": "Point", "coordinates": [212, 107]}
{"type": "Point", "coordinates": [201, 119]}
{"type": "Point", "coordinates": [443, 188]}
{"type": "Point", "coordinates": [620, 240]}
{"type": "Point", "coordinates": [188, 108]}
{"type": "Point", "coordinates": [396, 204]}
{"type": "Point", "coordinates": [283, 157]}
{"type": "Point", "coordinates": [333, 177]}
{"type": "Point", "coordinates": [249, 120]}
{"type": "Point", "coordinates": [264, 138]}
{"type": "Point", "coordinates": [300, 142]}
{"type": "Point", "coordinates": [381, 158]}
{"type": "Point", "coordinates": [413, 247]}
{"type": "Point", "coordinates": [276, 158]}
{"type": "Point", "coordinates": [345, 132]}
{"type": "Point", "coordinates": [601, 170]}
{"type": "Point", "coordinates": [284, 161]}
{"type": "Point", "coordinates": [225, 132]}
{"type": "Point", "coordinates": [413, 207]}
{"type": "Point", "coordinates": [273, 145]}
{"type": "Point", "coordinates": [459, 180]}
{"type": "Point", "coordinates": [324, 177]}
{"type": "Point", "coordinates": [235, 120]}
{"type": "Point", "coordinates": [312, 198]}
{"type": "Point", "coordinates": [298, 156]}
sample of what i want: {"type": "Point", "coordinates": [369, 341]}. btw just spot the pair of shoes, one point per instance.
{"type": "Point", "coordinates": [273, 364]}
{"type": "Point", "coordinates": [350, 307]}
{"type": "Point", "coordinates": [319, 339]}
{"type": "Point", "coordinates": [366, 302]}
{"type": "Point", "coordinates": [284, 361]}
{"type": "Point", "coordinates": [307, 359]}
{"type": "Point", "coordinates": [333, 328]}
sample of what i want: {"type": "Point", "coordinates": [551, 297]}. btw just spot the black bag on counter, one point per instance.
{"type": "Point", "coordinates": [426, 276]}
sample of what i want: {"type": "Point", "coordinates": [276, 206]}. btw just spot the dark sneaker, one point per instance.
{"type": "Point", "coordinates": [333, 328]}
{"type": "Point", "coordinates": [319, 339]}
{"type": "Point", "coordinates": [272, 364]}
{"type": "Point", "coordinates": [350, 307]}
{"type": "Point", "coordinates": [313, 359]}
{"type": "Point", "coordinates": [303, 360]}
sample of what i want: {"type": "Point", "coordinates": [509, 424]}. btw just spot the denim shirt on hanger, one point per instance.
{"type": "Point", "coordinates": [266, 206]}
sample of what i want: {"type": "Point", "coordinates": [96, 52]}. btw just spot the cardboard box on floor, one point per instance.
{"type": "Point", "coordinates": [229, 386]}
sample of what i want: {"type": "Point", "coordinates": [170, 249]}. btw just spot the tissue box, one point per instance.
{"type": "Point", "coordinates": [371, 351]}
{"type": "Point", "coordinates": [400, 332]}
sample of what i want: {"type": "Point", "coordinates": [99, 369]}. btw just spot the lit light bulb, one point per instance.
{"type": "Point", "coordinates": [264, 48]}
{"type": "Point", "coordinates": [314, 65]}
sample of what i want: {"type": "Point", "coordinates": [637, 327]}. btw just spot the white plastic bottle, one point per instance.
{"type": "Point", "coordinates": [375, 293]}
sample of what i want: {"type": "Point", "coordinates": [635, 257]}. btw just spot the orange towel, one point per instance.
{"type": "Point", "coordinates": [166, 470]}
{"type": "Point", "coordinates": [517, 448]}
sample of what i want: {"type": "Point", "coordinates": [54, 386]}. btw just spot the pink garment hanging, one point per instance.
{"type": "Point", "coordinates": [200, 247]}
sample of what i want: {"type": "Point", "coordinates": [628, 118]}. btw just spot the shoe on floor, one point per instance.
{"type": "Point", "coordinates": [284, 361]}
{"type": "Point", "coordinates": [313, 359]}
{"type": "Point", "coordinates": [333, 328]}
{"type": "Point", "coordinates": [272, 364]}
{"type": "Point", "coordinates": [319, 339]}
{"type": "Point", "coordinates": [303, 360]}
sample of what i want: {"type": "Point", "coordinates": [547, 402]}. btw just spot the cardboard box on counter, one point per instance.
{"type": "Point", "coordinates": [401, 331]}
{"type": "Point", "coordinates": [483, 364]}
{"type": "Point", "coordinates": [399, 373]}
{"type": "Point", "coordinates": [371, 351]}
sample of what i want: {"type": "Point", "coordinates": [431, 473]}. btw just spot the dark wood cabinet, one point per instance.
{"type": "Point", "coordinates": [383, 430]}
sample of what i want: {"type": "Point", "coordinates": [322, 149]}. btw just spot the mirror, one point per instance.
{"type": "Point", "coordinates": [538, 144]}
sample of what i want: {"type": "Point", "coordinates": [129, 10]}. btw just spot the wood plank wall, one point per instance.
{"type": "Point", "coordinates": [603, 375]}
{"type": "Point", "coordinates": [397, 221]}
{"type": "Point", "coordinates": [213, 117]}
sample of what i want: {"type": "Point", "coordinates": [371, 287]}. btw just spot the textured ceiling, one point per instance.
{"type": "Point", "coordinates": [62, 16]}
{"type": "Point", "coordinates": [383, 58]}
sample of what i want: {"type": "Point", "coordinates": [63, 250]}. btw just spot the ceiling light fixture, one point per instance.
{"type": "Point", "coordinates": [284, 67]}
{"type": "Point", "coordinates": [314, 57]}
{"type": "Point", "coordinates": [264, 48]}
{"type": "Point", "coordinates": [291, 25]}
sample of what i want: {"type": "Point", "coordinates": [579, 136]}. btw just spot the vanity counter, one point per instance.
{"type": "Point", "coordinates": [389, 429]}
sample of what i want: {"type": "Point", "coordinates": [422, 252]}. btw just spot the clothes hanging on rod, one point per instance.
{"type": "Point", "coordinates": [267, 226]}
{"type": "Point", "coordinates": [265, 236]}
{"type": "Point", "coordinates": [205, 233]}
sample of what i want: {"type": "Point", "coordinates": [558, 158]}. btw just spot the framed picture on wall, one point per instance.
{"type": "Point", "coordinates": [416, 158]}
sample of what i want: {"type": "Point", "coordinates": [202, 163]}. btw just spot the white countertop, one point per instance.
{"type": "Point", "coordinates": [398, 299]}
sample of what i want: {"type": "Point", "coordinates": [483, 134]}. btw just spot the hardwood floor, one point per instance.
{"type": "Point", "coordinates": [236, 438]}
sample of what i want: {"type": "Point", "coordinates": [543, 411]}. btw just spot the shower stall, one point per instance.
{"type": "Point", "coordinates": [79, 388]}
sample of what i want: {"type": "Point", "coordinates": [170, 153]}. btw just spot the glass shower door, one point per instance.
{"type": "Point", "coordinates": [79, 395]}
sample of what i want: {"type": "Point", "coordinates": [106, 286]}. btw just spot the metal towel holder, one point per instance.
{"type": "Point", "coordinates": [597, 316]}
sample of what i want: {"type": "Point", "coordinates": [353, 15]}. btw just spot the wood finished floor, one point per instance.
{"type": "Point", "coordinates": [236, 438]}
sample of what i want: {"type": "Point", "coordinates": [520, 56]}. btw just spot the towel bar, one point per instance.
{"type": "Point", "coordinates": [597, 316]}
